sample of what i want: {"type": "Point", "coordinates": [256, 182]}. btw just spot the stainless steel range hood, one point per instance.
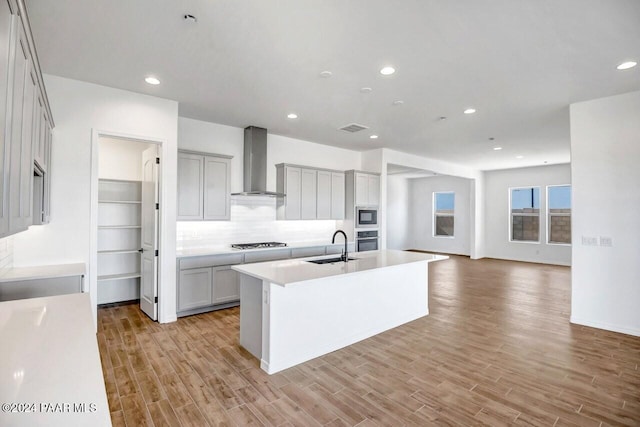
{"type": "Point", "coordinates": [255, 164]}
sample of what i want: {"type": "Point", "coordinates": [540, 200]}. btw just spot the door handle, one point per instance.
{"type": "Point", "coordinates": [141, 250]}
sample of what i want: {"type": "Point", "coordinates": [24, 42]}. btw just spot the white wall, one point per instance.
{"type": "Point", "coordinates": [605, 153]}
{"type": "Point", "coordinates": [497, 220]}
{"type": "Point", "coordinates": [121, 159]}
{"type": "Point", "coordinates": [254, 219]}
{"type": "Point", "coordinates": [78, 109]}
{"type": "Point", "coordinates": [398, 209]}
{"type": "Point", "coordinates": [420, 235]}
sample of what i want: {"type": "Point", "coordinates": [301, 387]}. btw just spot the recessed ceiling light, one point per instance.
{"type": "Point", "coordinates": [152, 80]}
{"type": "Point", "coordinates": [365, 89]}
{"type": "Point", "coordinates": [387, 71]}
{"type": "Point", "coordinates": [326, 74]}
{"type": "Point", "coordinates": [627, 65]}
{"type": "Point", "coordinates": [497, 148]}
{"type": "Point", "coordinates": [292, 116]}
{"type": "Point", "coordinates": [470, 111]}
{"type": "Point", "coordinates": [519, 157]}
{"type": "Point", "coordinates": [396, 103]}
{"type": "Point", "coordinates": [374, 137]}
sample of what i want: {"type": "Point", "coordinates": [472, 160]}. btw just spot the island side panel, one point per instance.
{"type": "Point", "coordinates": [251, 314]}
{"type": "Point", "coordinates": [309, 319]}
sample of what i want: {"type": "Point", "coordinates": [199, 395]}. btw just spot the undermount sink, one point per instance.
{"type": "Point", "coordinates": [329, 260]}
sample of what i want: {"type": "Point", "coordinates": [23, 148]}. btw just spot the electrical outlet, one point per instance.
{"type": "Point", "coordinates": [606, 241]}
{"type": "Point", "coordinates": [589, 241]}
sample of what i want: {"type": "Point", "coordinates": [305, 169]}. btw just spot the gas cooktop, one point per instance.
{"type": "Point", "coordinates": [258, 245]}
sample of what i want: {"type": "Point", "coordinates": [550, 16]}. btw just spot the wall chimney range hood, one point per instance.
{"type": "Point", "coordinates": [255, 164]}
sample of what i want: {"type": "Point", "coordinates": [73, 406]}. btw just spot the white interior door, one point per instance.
{"type": "Point", "coordinates": [149, 257]}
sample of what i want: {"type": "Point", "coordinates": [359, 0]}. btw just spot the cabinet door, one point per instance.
{"type": "Point", "coordinates": [6, 19]}
{"type": "Point", "coordinates": [226, 285]}
{"type": "Point", "coordinates": [47, 178]}
{"type": "Point", "coordinates": [194, 289]}
{"type": "Point", "coordinates": [337, 195]}
{"type": "Point", "coordinates": [308, 194]}
{"type": "Point", "coordinates": [362, 189]}
{"type": "Point", "coordinates": [190, 183]}
{"type": "Point", "coordinates": [293, 185]}
{"type": "Point", "coordinates": [37, 130]}
{"type": "Point", "coordinates": [21, 169]}
{"type": "Point", "coordinates": [324, 195]}
{"type": "Point", "coordinates": [216, 188]}
{"type": "Point", "coordinates": [373, 190]}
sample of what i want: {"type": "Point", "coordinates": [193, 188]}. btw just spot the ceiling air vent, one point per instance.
{"type": "Point", "coordinates": [353, 128]}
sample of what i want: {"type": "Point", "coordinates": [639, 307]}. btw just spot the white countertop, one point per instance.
{"type": "Point", "coordinates": [16, 274]}
{"type": "Point", "coordinates": [287, 272]}
{"type": "Point", "coordinates": [50, 356]}
{"type": "Point", "coordinates": [227, 249]}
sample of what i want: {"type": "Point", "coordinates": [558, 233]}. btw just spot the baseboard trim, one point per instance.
{"type": "Point", "coordinates": [606, 326]}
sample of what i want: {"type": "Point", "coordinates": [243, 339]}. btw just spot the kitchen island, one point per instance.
{"type": "Point", "coordinates": [295, 310]}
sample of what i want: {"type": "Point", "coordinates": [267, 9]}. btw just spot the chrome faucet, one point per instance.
{"type": "Point", "coordinates": [345, 253]}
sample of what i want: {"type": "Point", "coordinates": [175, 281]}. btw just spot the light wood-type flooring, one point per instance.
{"type": "Point", "coordinates": [496, 349]}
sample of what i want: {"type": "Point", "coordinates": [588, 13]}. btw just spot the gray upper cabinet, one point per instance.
{"type": "Point", "coordinates": [21, 167]}
{"type": "Point", "coordinates": [25, 126]}
{"type": "Point", "coordinates": [367, 188]}
{"type": "Point", "coordinates": [310, 193]}
{"type": "Point", "coordinates": [216, 188]}
{"type": "Point", "coordinates": [6, 18]}
{"type": "Point", "coordinates": [337, 195]}
{"type": "Point", "coordinates": [289, 181]}
{"type": "Point", "coordinates": [203, 186]}
{"type": "Point", "coordinates": [324, 195]}
{"type": "Point", "coordinates": [330, 195]}
{"type": "Point", "coordinates": [190, 186]}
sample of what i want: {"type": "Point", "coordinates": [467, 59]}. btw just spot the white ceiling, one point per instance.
{"type": "Point", "coordinates": [251, 62]}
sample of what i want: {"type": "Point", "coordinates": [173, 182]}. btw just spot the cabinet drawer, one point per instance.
{"type": "Point", "coordinates": [305, 252]}
{"type": "Point", "coordinates": [210, 261]}
{"type": "Point", "coordinates": [271, 255]}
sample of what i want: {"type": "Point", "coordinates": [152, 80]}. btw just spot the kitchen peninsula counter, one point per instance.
{"type": "Point", "coordinates": [292, 311]}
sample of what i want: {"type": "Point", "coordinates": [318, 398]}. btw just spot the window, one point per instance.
{"type": "Point", "coordinates": [443, 208]}
{"type": "Point", "coordinates": [559, 214]}
{"type": "Point", "coordinates": [525, 214]}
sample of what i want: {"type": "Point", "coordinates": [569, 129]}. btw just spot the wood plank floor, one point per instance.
{"type": "Point", "coordinates": [497, 349]}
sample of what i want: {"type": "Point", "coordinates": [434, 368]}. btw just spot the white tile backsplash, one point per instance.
{"type": "Point", "coordinates": [6, 254]}
{"type": "Point", "coordinates": [253, 219]}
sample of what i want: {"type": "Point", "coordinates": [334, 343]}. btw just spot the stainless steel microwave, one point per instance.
{"type": "Point", "coordinates": [366, 217]}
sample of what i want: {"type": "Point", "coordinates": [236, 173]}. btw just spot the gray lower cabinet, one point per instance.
{"type": "Point", "coordinates": [194, 290]}
{"type": "Point", "coordinates": [36, 288]}
{"type": "Point", "coordinates": [208, 282]}
{"type": "Point", "coordinates": [226, 285]}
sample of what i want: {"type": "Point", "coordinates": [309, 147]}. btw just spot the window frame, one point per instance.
{"type": "Point", "coordinates": [434, 214]}
{"type": "Point", "coordinates": [511, 215]}
{"type": "Point", "coordinates": [570, 214]}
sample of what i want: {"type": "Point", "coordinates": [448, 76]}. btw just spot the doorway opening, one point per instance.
{"type": "Point", "coordinates": [128, 211]}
